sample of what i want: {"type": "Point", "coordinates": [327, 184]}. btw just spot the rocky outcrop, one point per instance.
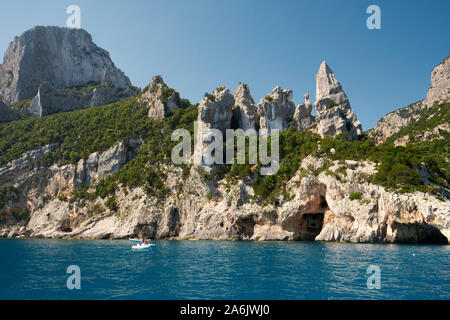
{"type": "Point", "coordinates": [244, 110]}
{"type": "Point", "coordinates": [63, 58]}
{"type": "Point", "coordinates": [214, 112]}
{"type": "Point", "coordinates": [36, 183]}
{"type": "Point", "coordinates": [50, 100]}
{"type": "Point", "coordinates": [395, 121]}
{"type": "Point", "coordinates": [334, 114]}
{"type": "Point", "coordinates": [302, 115]}
{"type": "Point", "coordinates": [276, 110]}
{"type": "Point", "coordinates": [162, 100]}
{"type": "Point", "coordinates": [439, 91]}
{"type": "Point", "coordinates": [6, 113]}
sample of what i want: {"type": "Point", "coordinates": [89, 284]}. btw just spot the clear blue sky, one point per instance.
{"type": "Point", "coordinates": [197, 45]}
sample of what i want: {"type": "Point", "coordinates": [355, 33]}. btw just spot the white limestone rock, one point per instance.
{"type": "Point", "coordinates": [244, 110]}
{"type": "Point", "coordinates": [162, 100]}
{"type": "Point", "coordinates": [62, 57]}
{"type": "Point", "coordinates": [439, 91]}
{"type": "Point", "coordinates": [302, 115]}
{"type": "Point", "coordinates": [334, 114]}
{"type": "Point", "coordinates": [276, 110]}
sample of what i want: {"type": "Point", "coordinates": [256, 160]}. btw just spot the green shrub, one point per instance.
{"type": "Point", "coordinates": [355, 196]}
{"type": "Point", "coordinates": [111, 203]}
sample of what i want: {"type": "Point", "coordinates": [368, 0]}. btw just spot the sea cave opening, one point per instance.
{"type": "Point", "coordinates": [311, 222]}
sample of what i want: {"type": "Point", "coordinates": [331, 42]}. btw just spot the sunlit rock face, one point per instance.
{"type": "Point", "coordinates": [319, 209]}
{"type": "Point", "coordinates": [244, 110]}
{"type": "Point", "coordinates": [215, 111]}
{"type": "Point", "coordinates": [162, 100]}
{"type": "Point", "coordinates": [334, 114]}
{"type": "Point", "coordinates": [62, 58]}
{"type": "Point", "coordinates": [276, 110]}
{"type": "Point", "coordinates": [302, 115]}
{"type": "Point", "coordinates": [439, 91]}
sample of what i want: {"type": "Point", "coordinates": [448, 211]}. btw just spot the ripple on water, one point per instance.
{"type": "Point", "coordinates": [36, 269]}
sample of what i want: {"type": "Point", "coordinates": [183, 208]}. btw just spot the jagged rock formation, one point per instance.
{"type": "Point", "coordinates": [6, 113]}
{"type": "Point", "coordinates": [214, 112]}
{"type": "Point", "coordinates": [439, 91]}
{"type": "Point", "coordinates": [244, 110]}
{"type": "Point", "coordinates": [334, 114]}
{"type": "Point", "coordinates": [63, 58]}
{"type": "Point", "coordinates": [162, 100]}
{"type": "Point", "coordinates": [302, 115]}
{"type": "Point", "coordinates": [276, 110]}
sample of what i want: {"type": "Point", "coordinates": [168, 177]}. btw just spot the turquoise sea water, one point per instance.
{"type": "Point", "coordinates": [36, 269]}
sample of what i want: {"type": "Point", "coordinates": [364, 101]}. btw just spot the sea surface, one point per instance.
{"type": "Point", "coordinates": [37, 269]}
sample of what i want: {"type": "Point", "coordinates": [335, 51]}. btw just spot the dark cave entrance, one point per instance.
{"type": "Point", "coordinates": [311, 226]}
{"type": "Point", "coordinates": [310, 223]}
{"type": "Point", "coordinates": [235, 120]}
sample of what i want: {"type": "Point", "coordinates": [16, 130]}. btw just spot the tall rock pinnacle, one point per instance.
{"type": "Point", "coordinates": [244, 110]}
{"type": "Point", "coordinates": [328, 89]}
{"type": "Point", "coordinates": [334, 114]}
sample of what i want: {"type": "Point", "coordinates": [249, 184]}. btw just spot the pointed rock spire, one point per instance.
{"type": "Point", "coordinates": [328, 89]}
{"type": "Point", "coordinates": [244, 110]}
{"type": "Point", "coordinates": [163, 101]}
{"type": "Point", "coordinates": [334, 113]}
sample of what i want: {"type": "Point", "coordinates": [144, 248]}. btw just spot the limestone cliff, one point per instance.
{"type": "Point", "coordinates": [393, 122]}
{"type": "Point", "coordinates": [318, 207]}
{"type": "Point", "coordinates": [440, 84]}
{"type": "Point", "coordinates": [438, 93]}
{"type": "Point", "coordinates": [62, 58]}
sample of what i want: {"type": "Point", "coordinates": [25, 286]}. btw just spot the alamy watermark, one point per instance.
{"type": "Point", "coordinates": [374, 20]}
{"type": "Point", "coordinates": [74, 20]}
{"type": "Point", "coordinates": [374, 280]}
{"type": "Point", "coordinates": [74, 280]}
{"type": "Point", "coordinates": [209, 147]}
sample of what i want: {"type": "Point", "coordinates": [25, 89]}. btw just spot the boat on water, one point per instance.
{"type": "Point", "coordinates": [140, 244]}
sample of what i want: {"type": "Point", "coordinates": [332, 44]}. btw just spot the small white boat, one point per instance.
{"type": "Point", "coordinates": [142, 246]}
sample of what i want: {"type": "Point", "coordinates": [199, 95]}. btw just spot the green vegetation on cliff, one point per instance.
{"type": "Point", "coordinates": [80, 133]}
